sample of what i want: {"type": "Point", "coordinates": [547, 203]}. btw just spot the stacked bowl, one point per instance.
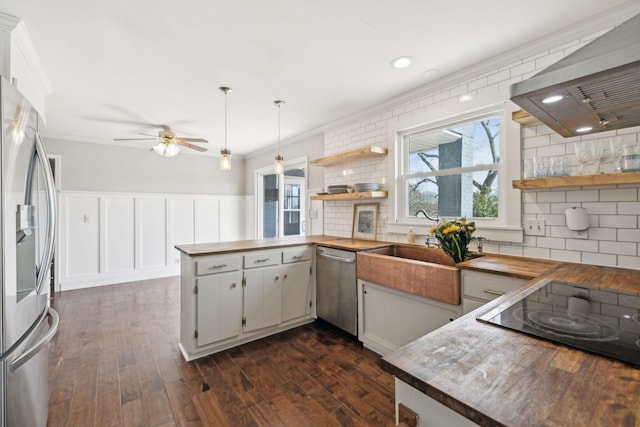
{"type": "Point", "coordinates": [366, 187]}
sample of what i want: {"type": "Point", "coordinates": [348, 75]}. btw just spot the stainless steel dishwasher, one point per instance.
{"type": "Point", "coordinates": [336, 288]}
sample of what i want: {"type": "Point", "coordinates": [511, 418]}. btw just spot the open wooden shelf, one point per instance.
{"type": "Point", "coordinates": [580, 180]}
{"type": "Point", "coordinates": [524, 118]}
{"type": "Point", "coordinates": [350, 155]}
{"type": "Point", "coordinates": [350, 196]}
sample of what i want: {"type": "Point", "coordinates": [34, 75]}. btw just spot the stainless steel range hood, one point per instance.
{"type": "Point", "coordinates": [599, 85]}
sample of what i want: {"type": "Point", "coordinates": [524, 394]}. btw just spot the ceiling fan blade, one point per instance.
{"type": "Point", "coordinates": [191, 139]}
{"type": "Point", "coordinates": [193, 147]}
{"type": "Point", "coordinates": [148, 134]}
{"type": "Point", "coordinates": [134, 139]}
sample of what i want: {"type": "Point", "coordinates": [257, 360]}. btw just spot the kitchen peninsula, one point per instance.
{"type": "Point", "coordinates": [235, 292]}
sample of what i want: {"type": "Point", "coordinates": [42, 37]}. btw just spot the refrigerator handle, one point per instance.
{"type": "Point", "coordinates": [28, 354]}
{"type": "Point", "coordinates": [47, 255]}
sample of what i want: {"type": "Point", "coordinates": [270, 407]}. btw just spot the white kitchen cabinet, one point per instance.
{"type": "Point", "coordinates": [478, 288]}
{"type": "Point", "coordinates": [218, 307]}
{"type": "Point", "coordinates": [20, 62]}
{"type": "Point", "coordinates": [431, 413]}
{"type": "Point", "coordinates": [233, 298]}
{"type": "Point", "coordinates": [389, 318]}
{"type": "Point", "coordinates": [297, 283]}
{"type": "Point", "coordinates": [262, 297]}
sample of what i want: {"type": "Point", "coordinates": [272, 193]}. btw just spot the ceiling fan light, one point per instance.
{"type": "Point", "coordinates": [225, 159]}
{"type": "Point", "coordinates": [279, 164]}
{"type": "Point", "coordinates": [166, 148]}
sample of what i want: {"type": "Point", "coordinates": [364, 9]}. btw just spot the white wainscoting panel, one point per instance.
{"type": "Point", "coordinates": [119, 234]}
{"type": "Point", "coordinates": [181, 223]}
{"type": "Point", "coordinates": [107, 238]}
{"type": "Point", "coordinates": [151, 232]}
{"type": "Point", "coordinates": [207, 220]}
{"type": "Point", "coordinates": [81, 215]}
{"type": "Point", "coordinates": [231, 219]}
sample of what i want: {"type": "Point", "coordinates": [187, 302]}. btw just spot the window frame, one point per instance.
{"type": "Point", "coordinates": [405, 174]}
{"type": "Point", "coordinates": [507, 226]}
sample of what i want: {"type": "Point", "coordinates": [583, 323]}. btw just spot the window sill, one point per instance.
{"type": "Point", "coordinates": [491, 233]}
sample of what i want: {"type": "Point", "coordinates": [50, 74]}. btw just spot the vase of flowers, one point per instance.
{"type": "Point", "coordinates": [454, 237]}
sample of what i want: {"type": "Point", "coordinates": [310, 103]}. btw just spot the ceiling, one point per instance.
{"type": "Point", "coordinates": [121, 67]}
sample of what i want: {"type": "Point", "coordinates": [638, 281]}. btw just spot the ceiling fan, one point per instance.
{"type": "Point", "coordinates": [168, 143]}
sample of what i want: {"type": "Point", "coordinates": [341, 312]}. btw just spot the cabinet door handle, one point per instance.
{"type": "Point", "coordinates": [233, 285]}
{"type": "Point", "coordinates": [492, 292]}
{"type": "Point", "coordinates": [262, 260]}
{"type": "Point", "coordinates": [276, 278]}
{"type": "Point", "coordinates": [285, 277]}
{"type": "Point", "coordinates": [213, 267]}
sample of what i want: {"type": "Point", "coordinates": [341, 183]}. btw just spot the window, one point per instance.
{"type": "Point", "coordinates": [451, 170]}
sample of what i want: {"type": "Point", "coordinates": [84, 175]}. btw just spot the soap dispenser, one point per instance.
{"type": "Point", "coordinates": [411, 237]}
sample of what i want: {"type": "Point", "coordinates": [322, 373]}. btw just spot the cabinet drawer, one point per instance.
{"type": "Point", "coordinates": [261, 259]}
{"type": "Point", "coordinates": [217, 265]}
{"type": "Point", "coordinates": [297, 254]}
{"type": "Point", "coordinates": [487, 286]}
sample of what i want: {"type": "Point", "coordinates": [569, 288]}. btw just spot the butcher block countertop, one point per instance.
{"type": "Point", "coordinates": [507, 265]}
{"type": "Point", "coordinates": [201, 249]}
{"type": "Point", "coordinates": [495, 376]}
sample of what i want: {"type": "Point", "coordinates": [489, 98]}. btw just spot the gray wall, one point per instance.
{"type": "Point", "coordinates": [311, 147]}
{"type": "Point", "coordinates": [100, 167]}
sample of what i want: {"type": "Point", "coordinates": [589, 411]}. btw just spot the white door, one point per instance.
{"type": "Point", "coordinates": [296, 290]}
{"type": "Point", "coordinates": [262, 297]}
{"type": "Point", "coordinates": [218, 307]}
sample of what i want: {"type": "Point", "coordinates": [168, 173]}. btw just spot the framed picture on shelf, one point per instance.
{"type": "Point", "coordinates": [365, 219]}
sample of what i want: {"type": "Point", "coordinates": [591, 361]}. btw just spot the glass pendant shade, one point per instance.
{"type": "Point", "coordinates": [166, 148]}
{"type": "Point", "coordinates": [225, 159]}
{"type": "Point", "coordinates": [279, 165]}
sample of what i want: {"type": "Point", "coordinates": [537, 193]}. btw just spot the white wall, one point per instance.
{"type": "Point", "coordinates": [614, 211]}
{"type": "Point", "coordinates": [100, 167]}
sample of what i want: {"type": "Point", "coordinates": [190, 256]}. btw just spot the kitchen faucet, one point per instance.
{"type": "Point", "coordinates": [426, 215]}
{"type": "Point", "coordinates": [480, 239]}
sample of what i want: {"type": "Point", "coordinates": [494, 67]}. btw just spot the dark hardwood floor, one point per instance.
{"type": "Point", "coordinates": [115, 362]}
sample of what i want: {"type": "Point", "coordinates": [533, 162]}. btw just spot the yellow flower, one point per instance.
{"type": "Point", "coordinates": [432, 229]}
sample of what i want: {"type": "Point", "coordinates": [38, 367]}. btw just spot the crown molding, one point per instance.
{"type": "Point", "coordinates": [8, 22]}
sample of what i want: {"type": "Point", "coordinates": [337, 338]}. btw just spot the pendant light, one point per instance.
{"type": "Point", "coordinates": [225, 154]}
{"type": "Point", "coordinates": [279, 165]}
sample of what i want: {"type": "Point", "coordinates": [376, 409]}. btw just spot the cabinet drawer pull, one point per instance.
{"type": "Point", "coordinates": [297, 257]}
{"type": "Point", "coordinates": [213, 267]}
{"type": "Point", "coordinates": [492, 292]}
{"type": "Point", "coordinates": [262, 260]}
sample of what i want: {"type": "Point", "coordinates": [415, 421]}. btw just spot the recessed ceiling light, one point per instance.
{"type": "Point", "coordinates": [401, 62]}
{"type": "Point", "coordinates": [465, 98]}
{"type": "Point", "coordinates": [584, 129]}
{"type": "Point", "coordinates": [552, 99]}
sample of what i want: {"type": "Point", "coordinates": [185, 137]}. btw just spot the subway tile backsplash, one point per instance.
{"type": "Point", "coordinates": [613, 238]}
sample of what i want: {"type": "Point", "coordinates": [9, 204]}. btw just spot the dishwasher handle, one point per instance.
{"type": "Point", "coordinates": [337, 258]}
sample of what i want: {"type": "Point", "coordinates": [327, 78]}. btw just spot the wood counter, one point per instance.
{"type": "Point", "coordinates": [201, 249]}
{"type": "Point", "coordinates": [496, 376]}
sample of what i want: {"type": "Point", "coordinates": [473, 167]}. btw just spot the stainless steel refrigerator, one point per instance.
{"type": "Point", "coordinates": [27, 227]}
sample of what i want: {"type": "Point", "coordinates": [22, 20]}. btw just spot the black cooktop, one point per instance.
{"type": "Point", "coordinates": [598, 320]}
